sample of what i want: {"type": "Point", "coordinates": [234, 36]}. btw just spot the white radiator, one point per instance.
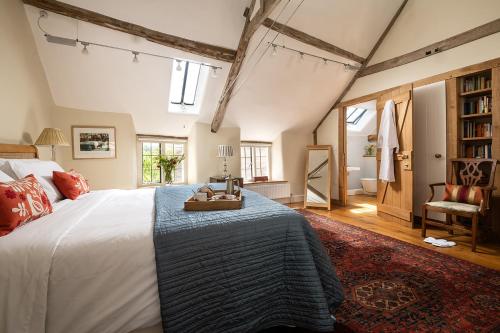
{"type": "Point", "coordinates": [271, 190]}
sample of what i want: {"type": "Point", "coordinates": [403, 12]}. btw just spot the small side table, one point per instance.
{"type": "Point", "coordinates": [222, 179]}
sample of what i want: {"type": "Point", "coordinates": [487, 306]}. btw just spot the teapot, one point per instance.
{"type": "Point", "coordinates": [230, 182]}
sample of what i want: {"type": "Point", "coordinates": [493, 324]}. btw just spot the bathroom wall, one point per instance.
{"type": "Point", "coordinates": [357, 139]}
{"type": "Point", "coordinates": [368, 166]}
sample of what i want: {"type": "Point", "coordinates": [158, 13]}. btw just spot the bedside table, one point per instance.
{"type": "Point", "coordinates": [222, 179]}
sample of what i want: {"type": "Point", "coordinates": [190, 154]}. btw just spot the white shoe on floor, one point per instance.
{"type": "Point", "coordinates": [443, 243]}
{"type": "Point", "coordinates": [439, 242]}
{"type": "Point", "coordinates": [430, 240]}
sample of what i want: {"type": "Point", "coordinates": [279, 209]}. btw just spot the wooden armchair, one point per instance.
{"type": "Point", "coordinates": [466, 172]}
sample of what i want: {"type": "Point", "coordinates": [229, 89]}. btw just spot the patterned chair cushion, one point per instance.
{"type": "Point", "coordinates": [465, 194]}
{"type": "Point", "coordinates": [456, 206]}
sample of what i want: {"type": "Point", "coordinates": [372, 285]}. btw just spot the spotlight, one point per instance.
{"type": "Point", "coordinates": [214, 72]}
{"type": "Point", "coordinates": [85, 50]}
{"type": "Point", "coordinates": [136, 58]}
{"type": "Point", "coordinates": [179, 67]}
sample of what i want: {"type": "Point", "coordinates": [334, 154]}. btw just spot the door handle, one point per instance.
{"type": "Point", "coordinates": [402, 156]}
{"type": "Point", "coordinates": [438, 155]}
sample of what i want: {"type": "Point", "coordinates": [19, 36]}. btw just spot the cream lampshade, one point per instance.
{"type": "Point", "coordinates": [225, 151]}
{"type": "Point", "coordinates": [52, 137]}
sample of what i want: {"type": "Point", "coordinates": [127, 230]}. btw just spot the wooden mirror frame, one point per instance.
{"type": "Point", "coordinates": [328, 204]}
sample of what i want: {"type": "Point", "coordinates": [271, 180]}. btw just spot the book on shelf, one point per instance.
{"type": "Point", "coordinates": [474, 129]}
{"type": "Point", "coordinates": [476, 83]}
{"type": "Point", "coordinates": [477, 151]}
{"type": "Point", "coordinates": [477, 105]}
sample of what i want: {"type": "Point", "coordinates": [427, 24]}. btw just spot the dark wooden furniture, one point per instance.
{"type": "Point", "coordinates": [467, 172]}
{"type": "Point", "coordinates": [222, 179]}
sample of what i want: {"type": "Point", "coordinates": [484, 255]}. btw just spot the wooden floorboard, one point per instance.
{"type": "Point", "coordinates": [361, 211]}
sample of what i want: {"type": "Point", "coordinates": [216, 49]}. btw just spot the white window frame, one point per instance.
{"type": "Point", "coordinates": [254, 145]}
{"type": "Point", "coordinates": [186, 109]}
{"type": "Point", "coordinates": [163, 141]}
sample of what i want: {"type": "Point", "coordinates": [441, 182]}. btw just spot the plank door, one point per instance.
{"type": "Point", "coordinates": [395, 200]}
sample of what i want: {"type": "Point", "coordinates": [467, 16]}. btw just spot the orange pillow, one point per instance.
{"type": "Point", "coordinates": [71, 184]}
{"type": "Point", "coordinates": [465, 194]}
{"type": "Point", "coordinates": [21, 201]}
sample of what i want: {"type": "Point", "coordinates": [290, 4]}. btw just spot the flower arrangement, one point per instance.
{"type": "Point", "coordinates": [168, 163]}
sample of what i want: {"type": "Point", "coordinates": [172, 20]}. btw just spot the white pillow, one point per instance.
{"type": "Point", "coordinates": [43, 173]}
{"type": "Point", "coordinates": [6, 169]}
{"type": "Point", "coordinates": [4, 178]}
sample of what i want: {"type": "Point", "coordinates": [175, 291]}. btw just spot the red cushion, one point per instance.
{"type": "Point", "coordinates": [21, 201]}
{"type": "Point", "coordinates": [71, 184]}
{"type": "Point", "coordinates": [465, 194]}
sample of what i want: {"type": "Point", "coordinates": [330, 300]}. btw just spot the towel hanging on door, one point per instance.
{"type": "Point", "coordinates": [387, 141]}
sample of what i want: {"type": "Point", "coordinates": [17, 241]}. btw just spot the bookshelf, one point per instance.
{"type": "Point", "coordinates": [475, 108]}
{"type": "Point", "coordinates": [473, 124]}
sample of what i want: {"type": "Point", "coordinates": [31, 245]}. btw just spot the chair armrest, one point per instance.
{"type": "Point", "coordinates": [436, 184]}
{"type": "Point", "coordinates": [432, 190]}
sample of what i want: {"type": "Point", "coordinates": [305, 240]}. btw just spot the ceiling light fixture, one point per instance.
{"type": "Point", "coordinates": [85, 50]}
{"type": "Point", "coordinates": [347, 66]}
{"type": "Point", "coordinates": [179, 67]}
{"type": "Point", "coordinates": [214, 72]}
{"type": "Point", "coordinates": [275, 51]}
{"type": "Point", "coordinates": [74, 41]}
{"type": "Point", "coordinates": [136, 56]}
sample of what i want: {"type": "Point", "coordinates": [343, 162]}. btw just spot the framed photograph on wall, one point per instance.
{"type": "Point", "coordinates": [93, 142]}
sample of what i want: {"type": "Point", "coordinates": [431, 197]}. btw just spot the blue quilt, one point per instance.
{"type": "Point", "coordinates": [240, 270]}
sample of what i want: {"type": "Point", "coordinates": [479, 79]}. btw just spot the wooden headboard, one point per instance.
{"type": "Point", "coordinates": [18, 151]}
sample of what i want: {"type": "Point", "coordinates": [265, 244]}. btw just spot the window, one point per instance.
{"type": "Point", "coordinates": [184, 83]}
{"type": "Point", "coordinates": [355, 115]}
{"type": "Point", "coordinates": [150, 151]}
{"type": "Point", "coordinates": [255, 160]}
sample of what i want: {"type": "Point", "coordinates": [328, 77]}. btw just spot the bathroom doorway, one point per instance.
{"type": "Point", "coordinates": [361, 162]}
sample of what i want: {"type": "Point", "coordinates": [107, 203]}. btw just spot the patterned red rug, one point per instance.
{"type": "Point", "coordinates": [393, 286]}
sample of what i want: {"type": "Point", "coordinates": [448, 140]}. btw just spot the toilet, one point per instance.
{"type": "Point", "coordinates": [369, 185]}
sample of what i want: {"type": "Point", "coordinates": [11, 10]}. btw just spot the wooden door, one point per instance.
{"type": "Point", "coordinates": [395, 200]}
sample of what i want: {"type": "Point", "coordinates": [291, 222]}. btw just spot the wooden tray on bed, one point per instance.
{"type": "Point", "coordinates": [193, 205]}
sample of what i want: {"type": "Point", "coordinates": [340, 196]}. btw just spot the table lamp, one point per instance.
{"type": "Point", "coordinates": [225, 151]}
{"type": "Point", "coordinates": [51, 137]}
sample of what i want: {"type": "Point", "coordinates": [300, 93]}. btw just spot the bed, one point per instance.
{"type": "Point", "coordinates": [117, 261]}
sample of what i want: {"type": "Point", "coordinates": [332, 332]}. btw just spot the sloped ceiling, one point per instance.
{"type": "Point", "coordinates": [273, 93]}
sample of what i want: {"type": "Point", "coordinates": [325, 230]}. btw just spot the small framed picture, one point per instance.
{"type": "Point", "coordinates": [93, 142]}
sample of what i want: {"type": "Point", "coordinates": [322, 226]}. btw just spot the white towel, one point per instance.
{"type": "Point", "coordinates": [387, 141]}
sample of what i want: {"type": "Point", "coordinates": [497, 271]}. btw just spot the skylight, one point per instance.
{"type": "Point", "coordinates": [184, 83]}
{"type": "Point", "coordinates": [355, 115]}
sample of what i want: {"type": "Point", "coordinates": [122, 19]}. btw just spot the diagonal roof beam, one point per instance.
{"type": "Point", "coordinates": [363, 66]}
{"type": "Point", "coordinates": [251, 26]}
{"type": "Point", "coordinates": [311, 40]}
{"type": "Point", "coordinates": [468, 36]}
{"type": "Point", "coordinates": [199, 48]}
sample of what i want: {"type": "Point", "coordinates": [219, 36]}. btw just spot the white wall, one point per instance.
{"type": "Point", "coordinates": [328, 134]}
{"type": "Point", "coordinates": [202, 152]}
{"type": "Point", "coordinates": [120, 172]}
{"type": "Point", "coordinates": [368, 165]}
{"type": "Point", "coordinates": [289, 160]}
{"type": "Point", "coordinates": [25, 100]}
{"type": "Point", "coordinates": [429, 121]}
{"type": "Point", "coordinates": [443, 19]}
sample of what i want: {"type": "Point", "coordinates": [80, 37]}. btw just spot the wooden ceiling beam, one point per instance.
{"type": "Point", "coordinates": [199, 48]}
{"type": "Point", "coordinates": [446, 44]}
{"type": "Point", "coordinates": [311, 40]}
{"type": "Point", "coordinates": [251, 26]}
{"type": "Point", "coordinates": [356, 75]}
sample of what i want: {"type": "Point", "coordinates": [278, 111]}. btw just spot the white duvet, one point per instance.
{"type": "Point", "coordinates": [88, 267]}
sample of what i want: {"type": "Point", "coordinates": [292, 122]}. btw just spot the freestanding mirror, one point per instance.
{"type": "Point", "coordinates": [317, 191]}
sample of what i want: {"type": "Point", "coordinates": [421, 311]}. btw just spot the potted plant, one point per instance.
{"type": "Point", "coordinates": [168, 164]}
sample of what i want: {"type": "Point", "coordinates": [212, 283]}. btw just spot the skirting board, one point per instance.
{"type": "Point", "coordinates": [355, 191]}
{"type": "Point", "coordinates": [291, 199]}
